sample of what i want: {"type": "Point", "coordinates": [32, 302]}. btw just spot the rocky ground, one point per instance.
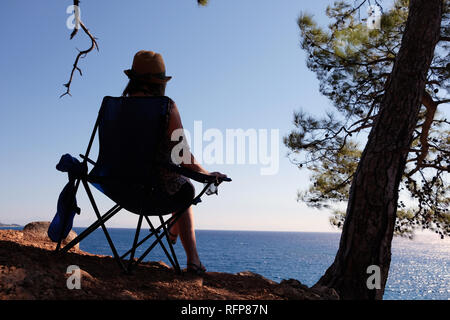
{"type": "Point", "coordinates": [30, 270]}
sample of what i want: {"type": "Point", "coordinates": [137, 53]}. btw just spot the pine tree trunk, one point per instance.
{"type": "Point", "coordinates": [369, 225]}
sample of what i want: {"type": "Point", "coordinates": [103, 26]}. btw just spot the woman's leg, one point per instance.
{"type": "Point", "coordinates": [185, 229]}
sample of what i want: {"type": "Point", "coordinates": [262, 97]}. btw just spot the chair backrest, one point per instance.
{"type": "Point", "coordinates": [130, 130]}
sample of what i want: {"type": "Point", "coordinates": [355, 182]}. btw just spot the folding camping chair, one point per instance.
{"type": "Point", "coordinates": [130, 130]}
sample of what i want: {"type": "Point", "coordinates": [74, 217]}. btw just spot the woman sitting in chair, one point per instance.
{"type": "Point", "coordinates": [147, 78]}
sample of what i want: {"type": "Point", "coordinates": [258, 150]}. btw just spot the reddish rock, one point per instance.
{"type": "Point", "coordinates": [38, 231]}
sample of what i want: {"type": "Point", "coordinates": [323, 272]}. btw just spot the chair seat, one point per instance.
{"type": "Point", "coordinates": [143, 199]}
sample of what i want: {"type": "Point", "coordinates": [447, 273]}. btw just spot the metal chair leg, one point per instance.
{"type": "Point", "coordinates": [177, 265]}
{"type": "Point", "coordinates": [105, 231]}
{"type": "Point", "coordinates": [133, 249]}
{"type": "Point", "coordinates": [161, 243]}
{"type": "Point", "coordinates": [111, 212]}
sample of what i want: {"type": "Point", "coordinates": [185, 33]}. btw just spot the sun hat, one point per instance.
{"type": "Point", "coordinates": [148, 66]}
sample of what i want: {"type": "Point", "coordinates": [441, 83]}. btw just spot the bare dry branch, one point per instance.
{"type": "Point", "coordinates": [81, 53]}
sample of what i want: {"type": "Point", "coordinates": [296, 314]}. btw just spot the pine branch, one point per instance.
{"type": "Point", "coordinates": [442, 101]}
{"type": "Point", "coordinates": [431, 107]}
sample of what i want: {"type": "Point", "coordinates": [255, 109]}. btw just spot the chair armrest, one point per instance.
{"type": "Point", "coordinates": [194, 175]}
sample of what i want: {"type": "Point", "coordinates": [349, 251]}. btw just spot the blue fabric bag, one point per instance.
{"type": "Point", "coordinates": [67, 203]}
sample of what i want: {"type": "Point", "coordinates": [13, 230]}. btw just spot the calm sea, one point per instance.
{"type": "Point", "coordinates": [420, 269]}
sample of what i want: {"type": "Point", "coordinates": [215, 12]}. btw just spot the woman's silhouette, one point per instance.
{"type": "Point", "coordinates": [147, 78]}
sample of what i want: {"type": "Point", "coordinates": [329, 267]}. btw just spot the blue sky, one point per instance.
{"type": "Point", "coordinates": [235, 64]}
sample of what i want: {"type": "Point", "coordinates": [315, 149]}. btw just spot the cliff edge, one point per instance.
{"type": "Point", "coordinates": [29, 269]}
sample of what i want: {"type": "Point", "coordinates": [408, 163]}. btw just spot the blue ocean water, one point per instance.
{"type": "Point", "coordinates": [419, 268]}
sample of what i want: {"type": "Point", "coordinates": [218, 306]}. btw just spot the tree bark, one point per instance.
{"type": "Point", "coordinates": [371, 212]}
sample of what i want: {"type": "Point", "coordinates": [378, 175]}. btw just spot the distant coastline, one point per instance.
{"type": "Point", "coordinates": [13, 225]}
